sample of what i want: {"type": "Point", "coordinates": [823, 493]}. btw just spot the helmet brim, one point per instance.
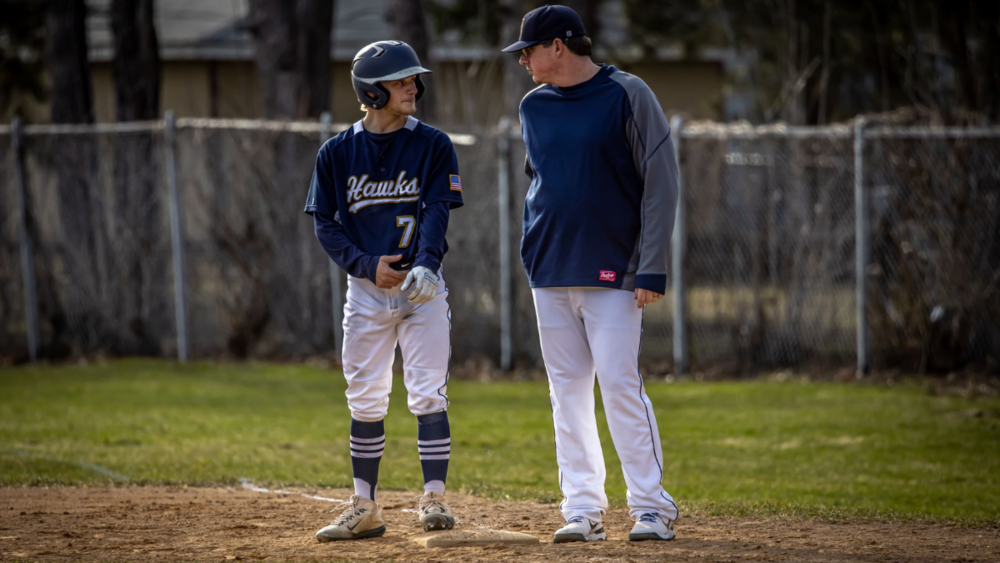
{"type": "Point", "coordinates": [406, 72]}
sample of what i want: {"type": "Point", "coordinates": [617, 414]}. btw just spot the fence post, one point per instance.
{"type": "Point", "coordinates": [503, 202]}
{"type": "Point", "coordinates": [27, 254]}
{"type": "Point", "coordinates": [678, 243]}
{"type": "Point", "coordinates": [176, 234]}
{"type": "Point", "coordinates": [336, 285]}
{"type": "Point", "coordinates": [861, 248]}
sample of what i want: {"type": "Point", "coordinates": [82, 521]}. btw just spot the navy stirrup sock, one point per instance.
{"type": "Point", "coordinates": [367, 444]}
{"type": "Point", "coordinates": [434, 445]}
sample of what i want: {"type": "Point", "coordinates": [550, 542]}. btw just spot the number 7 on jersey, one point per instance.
{"type": "Point", "coordinates": [407, 222]}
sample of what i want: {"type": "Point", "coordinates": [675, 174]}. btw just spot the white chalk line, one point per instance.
{"type": "Point", "coordinates": [81, 464]}
{"type": "Point", "coordinates": [248, 484]}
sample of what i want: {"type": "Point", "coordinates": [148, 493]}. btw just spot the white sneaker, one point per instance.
{"type": "Point", "coordinates": [579, 528]}
{"type": "Point", "coordinates": [652, 526]}
{"type": "Point", "coordinates": [362, 519]}
{"type": "Point", "coordinates": [434, 513]}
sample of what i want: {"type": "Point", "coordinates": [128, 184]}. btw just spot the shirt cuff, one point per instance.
{"type": "Point", "coordinates": [656, 283]}
{"type": "Point", "coordinates": [370, 267]}
{"type": "Point", "coordinates": [429, 262]}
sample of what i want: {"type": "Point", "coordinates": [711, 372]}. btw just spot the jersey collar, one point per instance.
{"type": "Point", "coordinates": [411, 124]}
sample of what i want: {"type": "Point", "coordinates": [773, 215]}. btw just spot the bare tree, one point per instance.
{"type": "Point", "coordinates": [516, 80]}
{"type": "Point", "coordinates": [137, 60]}
{"type": "Point", "coordinates": [72, 94]}
{"type": "Point", "coordinates": [315, 18]}
{"type": "Point", "coordinates": [816, 61]}
{"type": "Point", "coordinates": [410, 26]}
{"type": "Point", "coordinates": [71, 102]}
{"type": "Point", "coordinates": [292, 40]}
{"type": "Point", "coordinates": [138, 235]}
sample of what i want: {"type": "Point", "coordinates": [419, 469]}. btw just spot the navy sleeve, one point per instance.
{"type": "Point", "coordinates": [331, 236]}
{"type": "Point", "coordinates": [322, 197]}
{"type": "Point", "coordinates": [431, 244]}
{"type": "Point", "coordinates": [443, 182]}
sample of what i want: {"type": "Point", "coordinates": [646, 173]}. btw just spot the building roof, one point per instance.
{"type": "Point", "coordinates": [216, 30]}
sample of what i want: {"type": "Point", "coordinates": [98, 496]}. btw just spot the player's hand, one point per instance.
{"type": "Point", "coordinates": [424, 282]}
{"type": "Point", "coordinates": [385, 276]}
{"type": "Point", "coordinates": [645, 297]}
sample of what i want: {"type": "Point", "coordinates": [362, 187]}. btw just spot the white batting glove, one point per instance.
{"type": "Point", "coordinates": [424, 282]}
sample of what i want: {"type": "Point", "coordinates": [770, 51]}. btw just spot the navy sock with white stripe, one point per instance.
{"type": "Point", "coordinates": [434, 445]}
{"type": "Point", "coordinates": [367, 444]}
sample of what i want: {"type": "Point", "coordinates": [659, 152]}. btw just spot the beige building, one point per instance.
{"type": "Point", "coordinates": [208, 68]}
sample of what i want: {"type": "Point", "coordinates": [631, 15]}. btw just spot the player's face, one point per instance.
{"type": "Point", "coordinates": [402, 96]}
{"type": "Point", "coordinates": [539, 59]}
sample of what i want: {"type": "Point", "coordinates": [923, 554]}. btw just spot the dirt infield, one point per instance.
{"type": "Point", "coordinates": [235, 524]}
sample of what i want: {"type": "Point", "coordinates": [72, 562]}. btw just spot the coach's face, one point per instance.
{"type": "Point", "coordinates": [402, 95]}
{"type": "Point", "coordinates": [540, 59]}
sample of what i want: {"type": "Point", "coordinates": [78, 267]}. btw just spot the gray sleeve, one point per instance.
{"type": "Point", "coordinates": [648, 134]}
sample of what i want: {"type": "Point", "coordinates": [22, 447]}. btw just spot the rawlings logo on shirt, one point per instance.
{"type": "Point", "coordinates": [361, 193]}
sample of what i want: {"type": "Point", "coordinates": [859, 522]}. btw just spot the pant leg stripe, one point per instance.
{"type": "Point", "coordinates": [447, 374]}
{"type": "Point", "coordinates": [645, 406]}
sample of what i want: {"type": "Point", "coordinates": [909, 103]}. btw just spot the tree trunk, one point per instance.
{"type": "Point", "coordinates": [516, 80]}
{"type": "Point", "coordinates": [141, 294]}
{"type": "Point", "coordinates": [292, 41]}
{"type": "Point", "coordinates": [315, 18]}
{"type": "Point", "coordinates": [71, 102]}
{"type": "Point", "coordinates": [72, 96]}
{"type": "Point", "coordinates": [137, 60]}
{"type": "Point", "coordinates": [406, 17]}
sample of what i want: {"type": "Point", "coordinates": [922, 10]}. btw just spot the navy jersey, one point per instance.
{"type": "Point", "coordinates": [600, 209]}
{"type": "Point", "coordinates": [377, 188]}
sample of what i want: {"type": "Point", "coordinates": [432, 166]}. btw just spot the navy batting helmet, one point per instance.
{"type": "Point", "coordinates": [384, 61]}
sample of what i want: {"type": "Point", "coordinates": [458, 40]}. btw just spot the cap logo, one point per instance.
{"type": "Point", "coordinates": [522, 27]}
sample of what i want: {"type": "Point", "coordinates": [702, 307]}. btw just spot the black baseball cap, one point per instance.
{"type": "Point", "coordinates": [548, 22]}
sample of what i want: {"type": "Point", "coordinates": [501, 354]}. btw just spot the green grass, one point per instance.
{"type": "Point", "coordinates": [744, 448]}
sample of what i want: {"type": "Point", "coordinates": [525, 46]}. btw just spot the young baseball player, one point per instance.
{"type": "Point", "coordinates": [380, 198]}
{"type": "Point", "coordinates": [597, 224]}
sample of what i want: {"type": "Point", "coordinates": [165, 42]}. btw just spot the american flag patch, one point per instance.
{"type": "Point", "coordinates": [456, 182]}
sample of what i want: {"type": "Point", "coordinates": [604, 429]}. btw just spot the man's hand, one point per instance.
{"type": "Point", "coordinates": [645, 297]}
{"type": "Point", "coordinates": [385, 276]}
{"type": "Point", "coordinates": [424, 282]}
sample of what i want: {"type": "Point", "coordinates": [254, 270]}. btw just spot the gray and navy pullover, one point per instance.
{"type": "Point", "coordinates": [600, 209]}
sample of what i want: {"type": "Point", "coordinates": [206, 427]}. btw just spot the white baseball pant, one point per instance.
{"type": "Point", "coordinates": [374, 321]}
{"type": "Point", "coordinates": [583, 329]}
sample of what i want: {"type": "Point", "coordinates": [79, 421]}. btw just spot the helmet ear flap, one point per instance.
{"type": "Point", "coordinates": [383, 95]}
{"type": "Point", "coordinates": [420, 86]}
{"type": "Point", "coordinates": [362, 89]}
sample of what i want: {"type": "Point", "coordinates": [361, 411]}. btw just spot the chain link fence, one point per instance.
{"type": "Point", "coordinates": [769, 267]}
{"type": "Point", "coordinates": [771, 240]}
{"type": "Point", "coordinates": [934, 269]}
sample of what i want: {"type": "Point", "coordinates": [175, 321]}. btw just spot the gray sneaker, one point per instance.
{"type": "Point", "coordinates": [362, 519]}
{"type": "Point", "coordinates": [435, 513]}
{"type": "Point", "coordinates": [579, 528]}
{"type": "Point", "coordinates": [652, 526]}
